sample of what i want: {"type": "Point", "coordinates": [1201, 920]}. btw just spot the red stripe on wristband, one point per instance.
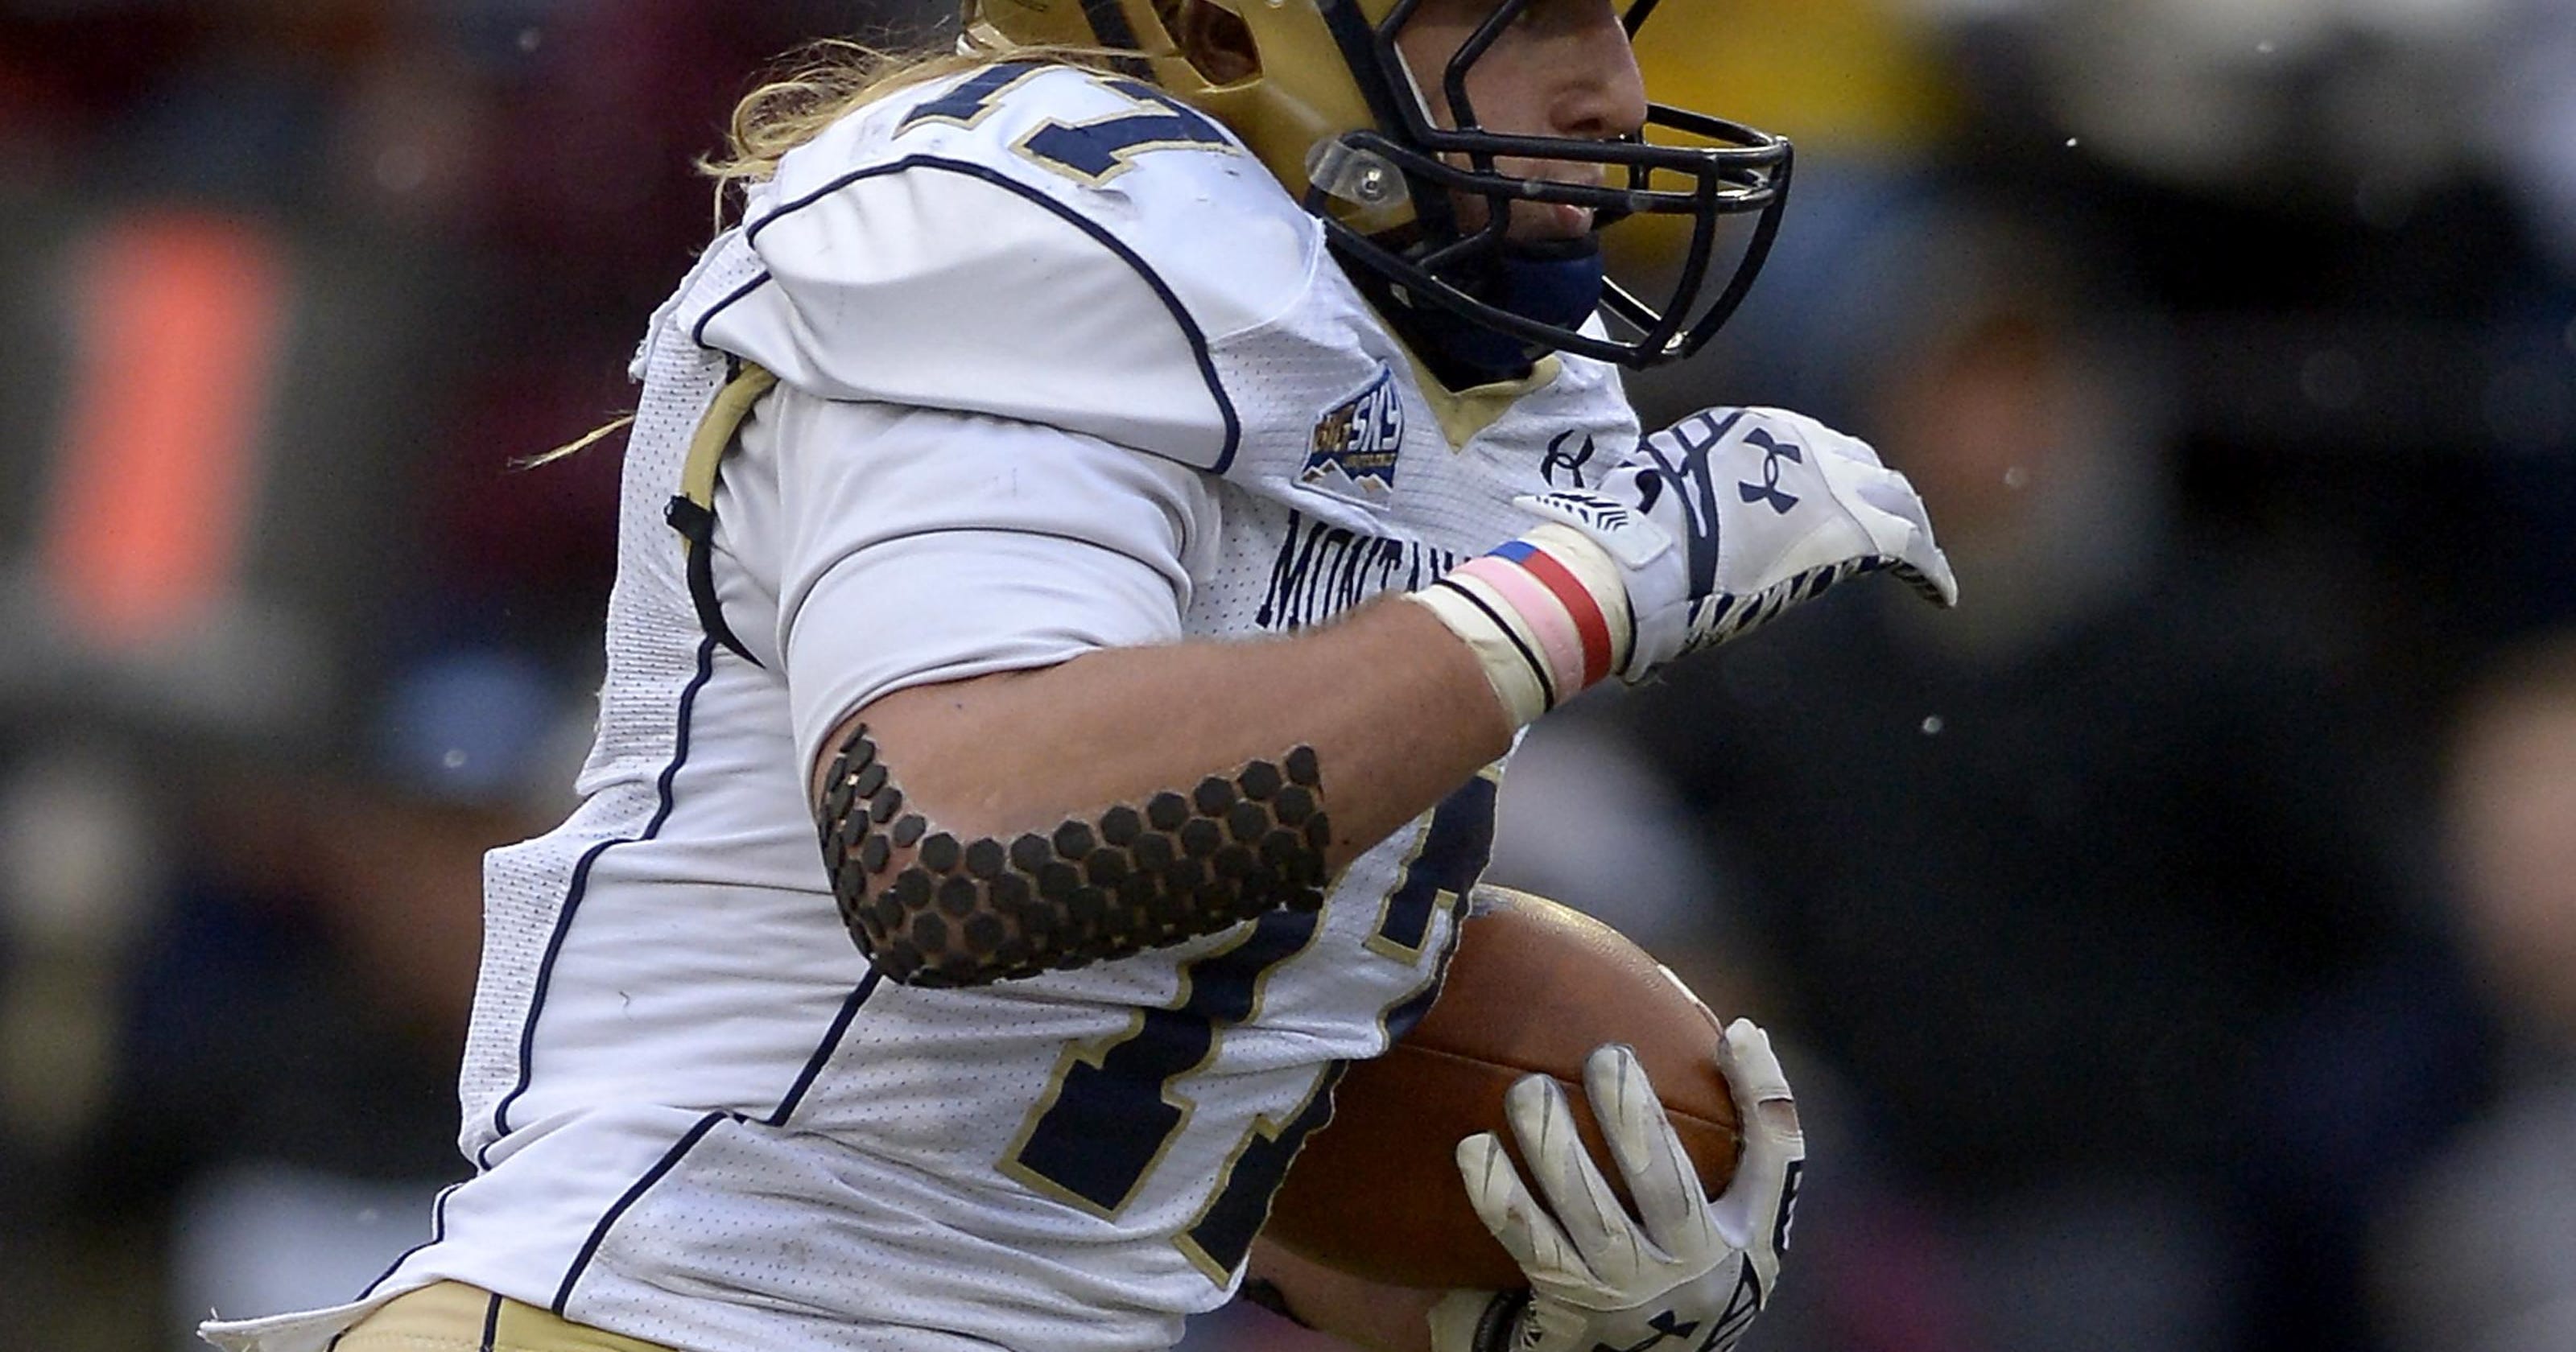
{"type": "Point", "coordinates": [1577, 600]}
{"type": "Point", "coordinates": [1538, 613]}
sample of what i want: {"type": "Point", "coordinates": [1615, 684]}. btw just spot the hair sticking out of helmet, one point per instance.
{"type": "Point", "coordinates": [1419, 195]}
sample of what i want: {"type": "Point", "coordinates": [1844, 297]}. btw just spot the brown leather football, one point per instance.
{"type": "Point", "coordinates": [1533, 986]}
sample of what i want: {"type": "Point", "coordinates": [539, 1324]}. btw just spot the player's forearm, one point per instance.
{"type": "Point", "coordinates": [1391, 710]}
{"type": "Point", "coordinates": [1396, 710]}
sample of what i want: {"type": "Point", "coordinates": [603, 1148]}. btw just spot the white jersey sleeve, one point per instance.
{"type": "Point", "coordinates": [921, 545]}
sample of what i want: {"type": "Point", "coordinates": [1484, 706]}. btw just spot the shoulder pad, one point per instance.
{"type": "Point", "coordinates": [1032, 242]}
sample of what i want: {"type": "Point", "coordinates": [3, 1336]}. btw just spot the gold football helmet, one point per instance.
{"type": "Point", "coordinates": [1332, 110]}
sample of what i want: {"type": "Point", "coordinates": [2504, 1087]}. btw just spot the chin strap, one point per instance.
{"type": "Point", "coordinates": [1557, 284]}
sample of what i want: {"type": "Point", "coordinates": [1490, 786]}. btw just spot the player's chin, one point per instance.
{"type": "Point", "coordinates": [1548, 224]}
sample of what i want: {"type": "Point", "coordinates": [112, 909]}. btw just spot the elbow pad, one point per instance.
{"type": "Point", "coordinates": [964, 912]}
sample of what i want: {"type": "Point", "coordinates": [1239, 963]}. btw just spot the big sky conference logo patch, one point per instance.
{"type": "Point", "coordinates": [1356, 442]}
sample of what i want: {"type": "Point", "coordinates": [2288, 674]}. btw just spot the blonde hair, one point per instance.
{"type": "Point", "coordinates": [827, 80]}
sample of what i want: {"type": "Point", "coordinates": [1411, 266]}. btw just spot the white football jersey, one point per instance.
{"type": "Point", "coordinates": [1060, 366]}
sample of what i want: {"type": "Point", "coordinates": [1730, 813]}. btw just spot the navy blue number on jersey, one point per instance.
{"type": "Point", "coordinates": [1454, 849]}
{"type": "Point", "coordinates": [1100, 150]}
{"type": "Point", "coordinates": [1115, 1109]}
{"type": "Point", "coordinates": [1452, 855]}
{"type": "Point", "coordinates": [1114, 1114]}
{"type": "Point", "coordinates": [1094, 151]}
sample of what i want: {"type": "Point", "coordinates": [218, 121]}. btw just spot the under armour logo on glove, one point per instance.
{"type": "Point", "coordinates": [1773, 452]}
{"type": "Point", "coordinates": [1668, 1326]}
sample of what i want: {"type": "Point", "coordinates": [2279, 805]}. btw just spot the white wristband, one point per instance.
{"type": "Point", "coordinates": [1508, 668]}
{"type": "Point", "coordinates": [1546, 614]}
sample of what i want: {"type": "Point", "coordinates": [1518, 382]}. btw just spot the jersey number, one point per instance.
{"type": "Point", "coordinates": [1114, 1108]}
{"type": "Point", "coordinates": [1093, 151]}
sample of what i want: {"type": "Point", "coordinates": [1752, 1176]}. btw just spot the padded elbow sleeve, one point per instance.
{"type": "Point", "coordinates": [1137, 877]}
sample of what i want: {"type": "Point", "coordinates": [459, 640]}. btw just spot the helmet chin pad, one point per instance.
{"type": "Point", "coordinates": [1556, 283]}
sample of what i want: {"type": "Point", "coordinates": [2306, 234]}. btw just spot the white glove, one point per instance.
{"type": "Point", "coordinates": [1685, 1273]}
{"type": "Point", "coordinates": [1732, 515]}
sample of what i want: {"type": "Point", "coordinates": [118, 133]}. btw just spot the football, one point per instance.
{"type": "Point", "coordinates": [1533, 986]}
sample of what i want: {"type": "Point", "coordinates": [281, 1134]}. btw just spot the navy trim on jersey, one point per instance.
{"type": "Point", "coordinates": [437, 1235]}
{"type": "Point", "coordinates": [580, 885]}
{"type": "Point", "coordinates": [698, 331]}
{"type": "Point", "coordinates": [599, 1233]}
{"type": "Point", "coordinates": [786, 1108]}
{"type": "Point", "coordinates": [823, 1053]}
{"type": "Point", "coordinates": [1100, 234]}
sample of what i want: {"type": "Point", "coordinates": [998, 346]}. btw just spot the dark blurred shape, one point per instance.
{"type": "Point", "coordinates": [286, 1098]}
{"type": "Point", "coordinates": [2481, 1256]}
{"type": "Point", "coordinates": [2048, 878]}
{"type": "Point", "coordinates": [2283, 99]}
{"type": "Point", "coordinates": [2530, 119]}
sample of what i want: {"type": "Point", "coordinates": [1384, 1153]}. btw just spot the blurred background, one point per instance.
{"type": "Point", "coordinates": [2175, 945]}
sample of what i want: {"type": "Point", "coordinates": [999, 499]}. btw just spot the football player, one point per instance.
{"type": "Point", "coordinates": [1120, 489]}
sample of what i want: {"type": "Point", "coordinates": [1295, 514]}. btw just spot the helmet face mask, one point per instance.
{"type": "Point", "coordinates": [1424, 205]}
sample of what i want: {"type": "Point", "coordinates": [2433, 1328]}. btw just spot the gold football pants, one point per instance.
{"type": "Point", "coordinates": [452, 1315]}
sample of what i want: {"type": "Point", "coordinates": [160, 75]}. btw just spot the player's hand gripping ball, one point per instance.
{"type": "Point", "coordinates": [1678, 1265]}
{"type": "Point", "coordinates": [1533, 987]}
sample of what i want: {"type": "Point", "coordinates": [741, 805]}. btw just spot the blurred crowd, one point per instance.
{"type": "Point", "coordinates": [2175, 945]}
